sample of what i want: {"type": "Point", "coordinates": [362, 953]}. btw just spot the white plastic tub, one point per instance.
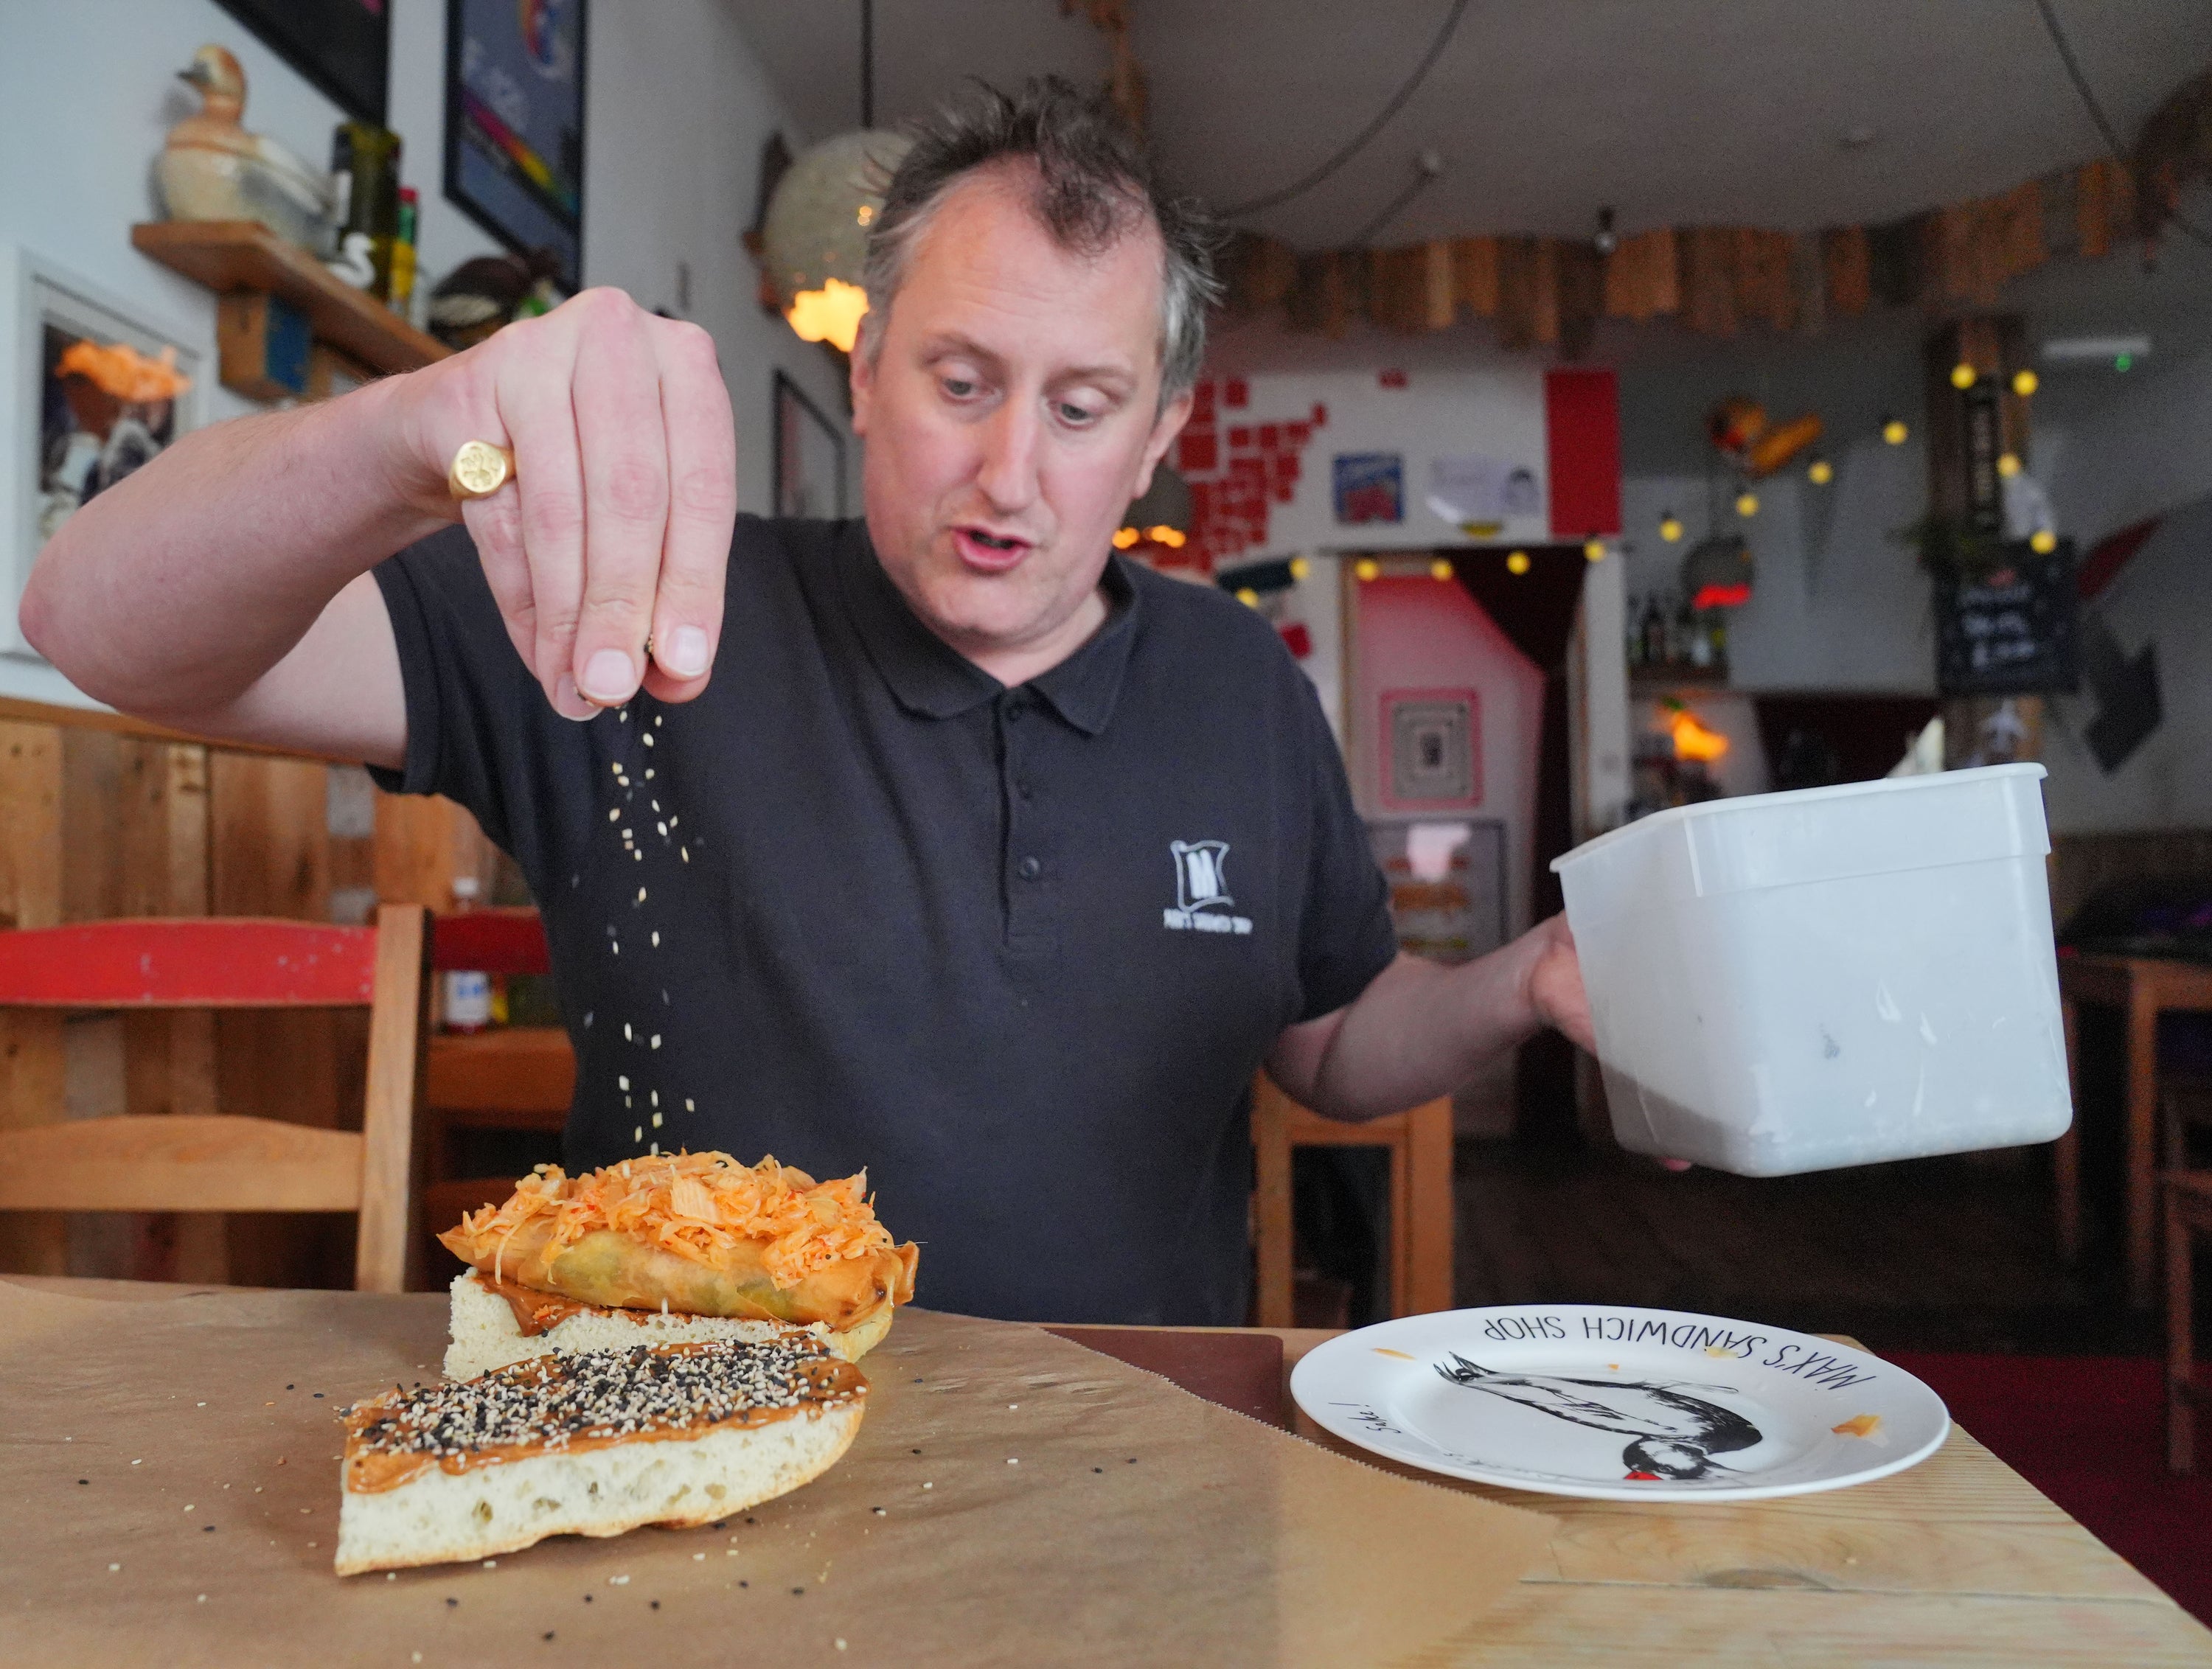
{"type": "Point", "coordinates": [1791, 982]}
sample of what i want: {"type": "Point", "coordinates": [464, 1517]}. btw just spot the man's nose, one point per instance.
{"type": "Point", "coordinates": [1008, 473]}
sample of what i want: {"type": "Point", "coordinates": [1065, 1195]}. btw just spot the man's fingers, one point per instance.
{"type": "Point", "coordinates": [622, 438]}
{"type": "Point", "coordinates": [703, 505]}
{"type": "Point", "coordinates": [535, 407]}
{"type": "Point", "coordinates": [494, 525]}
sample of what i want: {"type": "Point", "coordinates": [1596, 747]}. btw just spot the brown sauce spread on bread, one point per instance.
{"type": "Point", "coordinates": [570, 1405]}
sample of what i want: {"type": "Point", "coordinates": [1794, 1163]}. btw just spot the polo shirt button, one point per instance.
{"type": "Point", "coordinates": [1015, 710]}
{"type": "Point", "coordinates": [1030, 869]}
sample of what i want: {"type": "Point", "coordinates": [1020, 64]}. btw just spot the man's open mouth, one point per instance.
{"type": "Point", "coordinates": [980, 548]}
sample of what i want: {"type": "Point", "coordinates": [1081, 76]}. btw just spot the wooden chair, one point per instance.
{"type": "Point", "coordinates": [219, 1162]}
{"type": "Point", "coordinates": [1420, 1144]}
{"type": "Point", "coordinates": [2188, 1215]}
{"type": "Point", "coordinates": [513, 1077]}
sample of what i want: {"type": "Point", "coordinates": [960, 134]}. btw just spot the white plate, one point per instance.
{"type": "Point", "coordinates": [1620, 1404]}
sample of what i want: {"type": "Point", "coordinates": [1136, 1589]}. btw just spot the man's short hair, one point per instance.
{"type": "Point", "coordinates": [1092, 186]}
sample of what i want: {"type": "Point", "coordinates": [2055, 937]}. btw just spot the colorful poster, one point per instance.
{"type": "Point", "coordinates": [514, 123]}
{"type": "Point", "coordinates": [1369, 487]}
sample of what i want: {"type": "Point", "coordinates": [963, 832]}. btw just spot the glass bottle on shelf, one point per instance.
{"type": "Point", "coordinates": [1655, 632]}
{"type": "Point", "coordinates": [466, 992]}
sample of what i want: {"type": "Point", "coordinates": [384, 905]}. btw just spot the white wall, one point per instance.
{"type": "Point", "coordinates": [1838, 604]}
{"type": "Point", "coordinates": [677, 110]}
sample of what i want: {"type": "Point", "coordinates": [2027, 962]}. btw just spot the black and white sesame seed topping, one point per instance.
{"type": "Point", "coordinates": [548, 1402]}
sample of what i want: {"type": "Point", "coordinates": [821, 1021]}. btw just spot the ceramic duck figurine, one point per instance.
{"type": "Point", "coordinates": [212, 169]}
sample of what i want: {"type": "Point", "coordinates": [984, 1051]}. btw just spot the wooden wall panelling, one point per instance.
{"type": "Point", "coordinates": [269, 855]}
{"type": "Point", "coordinates": [33, 1086]}
{"type": "Point", "coordinates": [1474, 274]}
{"type": "Point", "coordinates": [136, 812]}
{"type": "Point", "coordinates": [423, 843]}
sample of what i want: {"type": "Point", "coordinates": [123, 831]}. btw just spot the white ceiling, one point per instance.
{"type": "Point", "coordinates": [1677, 111]}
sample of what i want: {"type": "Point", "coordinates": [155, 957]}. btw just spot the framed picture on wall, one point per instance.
{"type": "Point", "coordinates": [99, 392]}
{"type": "Point", "coordinates": [1435, 743]}
{"type": "Point", "coordinates": [809, 455]}
{"type": "Point", "coordinates": [342, 46]}
{"type": "Point", "coordinates": [514, 123]}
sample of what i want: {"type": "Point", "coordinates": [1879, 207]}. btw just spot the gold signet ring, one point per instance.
{"type": "Point", "coordinates": [479, 470]}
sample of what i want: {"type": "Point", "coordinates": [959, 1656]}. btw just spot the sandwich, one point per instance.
{"type": "Point", "coordinates": [590, 1444]}
{"type": "Point", "coordinates": [675, 1249]}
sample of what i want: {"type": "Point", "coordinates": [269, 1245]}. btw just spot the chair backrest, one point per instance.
{"type": "Point", "coordinates": [498, 940]}
{"type": "Point", "coordinates": [223, 1162]}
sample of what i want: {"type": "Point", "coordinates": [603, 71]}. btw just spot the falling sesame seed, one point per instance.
{"type": "Point", "coordinates": [640, 856]}
{"type": "Point", "coordinates": [615, 765]}
{"type": "Point", "coordinates": [638, 1135]}
{"type": "Point", "coordinates": [647, 740]}
{"type": "Point", "coordinates": [648, 773]}
{"type": "Point", "coordinates": [688, 1106]}
{"type": "Point", "coordinates": [622, 1082]}
{"type": "Point", "coordinates": [656, 1121]}
{"type": "Point", "coordinates": [141, 1463]}
{"type": "Point", "coordinates": [202, 1600]}
{"type": "Point", "coordinates": [617, 1582]}
{"type": "Point", "coordinates": [656, 1040]}
{"type": "Point", "coordinates": [629, 1036]}
{"type": "Point", "coordinates": [656, 937]}
{"type": "Point", "coordinates": [199, 1404]}
{"type": "Point", "coordinates": [491, 1564]}
{"type": "Point", "coordinates": [699, 1556]}
{"type": "Point", "coordinates": [627, 835]}
{"type": "Point", "coordinates": [1014, 1460]}
{"type": "Point", "coordinates": [640, 895]}
{"type": "Point", "coordinates": [684, 852]}
{"type": "Point", "coordinates": [656, 721]}
{"type": "Point", "coordinates": [115, 1566]}
{"type": "Point", "coordinates": [880, 1511]}
{"type": "Point", "coordinates": [652, 1098]}
{"type": "Point", "coordinates": [613, 814]}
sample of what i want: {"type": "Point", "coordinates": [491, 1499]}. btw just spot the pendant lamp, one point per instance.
{"type": "Point", "coordinates": [814, 240]}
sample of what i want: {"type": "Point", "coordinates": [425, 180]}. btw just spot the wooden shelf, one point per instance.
{"type": "Point", "coordinates": [244, 255]}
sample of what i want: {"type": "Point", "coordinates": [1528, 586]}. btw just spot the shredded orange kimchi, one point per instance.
{"type": "Point", "coordinates": [701, 1206]}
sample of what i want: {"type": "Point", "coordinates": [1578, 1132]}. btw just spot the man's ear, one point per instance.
{"type": "Point", "coordinates": [860, 378]}
{"type": "Point", "coordinates": [1168, 425]}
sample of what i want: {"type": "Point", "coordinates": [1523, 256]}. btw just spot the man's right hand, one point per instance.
{"type": "Point", "coordinates": [615, 533]}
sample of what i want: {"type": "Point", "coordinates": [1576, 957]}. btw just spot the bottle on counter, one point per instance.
{"type": "Point", "coordinates": [402, 298]}
{"type": "Point", "coordinates": [466, 993]}
{"type": "Point", "coordinates": [1655, 632]}
{"type": "Point", "coordinates": [365, 169]}
{"type": "Point", "coordinates": [1681, 633]}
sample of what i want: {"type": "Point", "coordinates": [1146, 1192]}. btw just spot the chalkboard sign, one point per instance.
{"type": "Point", "coordinates": [2011, 631]}
{"type": "Point", "coordinates": [343, 46]}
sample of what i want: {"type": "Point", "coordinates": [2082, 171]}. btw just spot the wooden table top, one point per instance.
{"type": "Point", "coordinates": [1958, 1561]}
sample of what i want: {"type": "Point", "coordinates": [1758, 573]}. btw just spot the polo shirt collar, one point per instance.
{"type": "Point", "coordinates": [929, 676]}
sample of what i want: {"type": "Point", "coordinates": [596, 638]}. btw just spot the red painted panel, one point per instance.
{"type": "Point", "coordinates": [490, 941]}
{"type": "Point", "coordinates": [188, 962]}
{"type": "Point", "coordinates": [2103, 564]}
{"type": "Point", "coordinates": [1197, 450]}
{"type": "Point", "coordinates": [1582, 436]}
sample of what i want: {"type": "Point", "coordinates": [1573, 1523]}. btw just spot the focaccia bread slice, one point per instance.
{"type": "Point", "coordinates": [592, 1445]}
{"type": "Point", "coordinates": [493, 1323]}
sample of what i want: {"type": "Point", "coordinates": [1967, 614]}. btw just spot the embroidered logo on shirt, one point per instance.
{"type": "Point", "coordinates": [1201, 885]}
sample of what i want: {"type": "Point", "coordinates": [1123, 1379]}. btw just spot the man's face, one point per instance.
{"type": "Point", "coordinates": [1010, 413]}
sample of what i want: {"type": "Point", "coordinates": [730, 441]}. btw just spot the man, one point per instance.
{"type": "Point", "coordinates": [986, 858]}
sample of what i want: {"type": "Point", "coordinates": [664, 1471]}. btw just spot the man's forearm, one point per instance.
{"type": "Point", "coordinates": [1419, 1031]}
{"type": "Point", "coordinates": [174, 592]}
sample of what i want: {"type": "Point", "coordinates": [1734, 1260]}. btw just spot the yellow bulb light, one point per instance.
{"type": "Point", "coordinates": [1518, 562]}
{"type": "Point", "coordinates": [2024, 383]}
{"type": "Point", "coordinates": [1593, 549]}
{"type": "Point", "coordinates": [1300, 568]}
{"type": "Point", "coordinates": [831, 314]}
{"type": "Point", "coordinates": [2009, 464]}
{"type": "Point", "coordinates": [1125, 538]}
{"type": "Point", "coordinates": [1820, 472]}
{"type": "Point", "coordinates": [1440, 570]}
{"type": "Point", "coordinates": [1248, 598]}
{"type": "Point", "coordinates": [1367, 569]}
{"type": "Point", "coordinates": [1962, 375]}
{"type": "Point", "coordinates": [2043, 542]}
{"type": "Point", "coordinates": [1894, 431]}
{"type": "Point", "coordinates": [1670, 529]}
{"type": "Point", "coordinates": [1747, 504]}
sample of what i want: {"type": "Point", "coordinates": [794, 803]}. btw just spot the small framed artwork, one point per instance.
{"type": "Point", "coordinates": [99, 392]}
{"type": "Point", "coordinates": [1434, 742]}
{"type": "Point", "coordinates": [514, 123]}
{"type": "Point", "coordinates": [1369, 487]}
{"type": "Point", "coordinates": [810, 456]}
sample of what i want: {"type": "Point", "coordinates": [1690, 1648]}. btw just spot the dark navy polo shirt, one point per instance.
{"type": "Point", "coordinates": [1015, 951]}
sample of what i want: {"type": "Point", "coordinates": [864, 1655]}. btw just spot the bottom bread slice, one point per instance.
{"type": "Point", "coordinates": [486, 1334]}
{"type": "Point", "coordinates": [440, 1516]}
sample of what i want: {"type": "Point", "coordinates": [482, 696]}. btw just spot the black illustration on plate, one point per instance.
{"type": "Point", "coordinates": [1674, 1435]}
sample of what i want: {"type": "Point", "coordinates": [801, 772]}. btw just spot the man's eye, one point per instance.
{"type": "Point", "coordinates": [1075, 414]}
{"type": "Point", "coordinates": [959, 387]}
